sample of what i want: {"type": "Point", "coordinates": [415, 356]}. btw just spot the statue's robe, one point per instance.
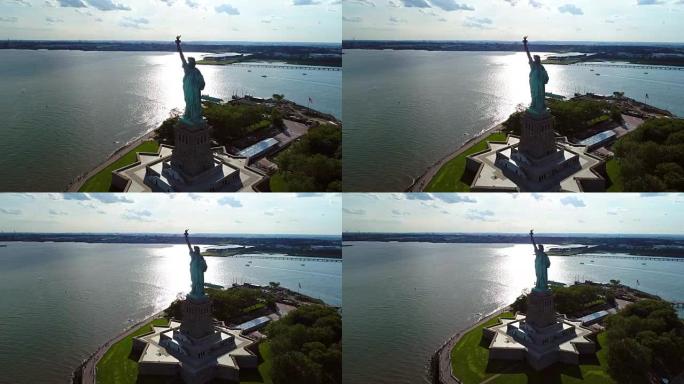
{"type": "Point", "coordinates": [541, 265]}
{"type": "Point", "coordinates": [193, 84]}
{"type": "Point", "coordinates": [538, 80]}
{"type": "Point", "coordinates": [197, 268]}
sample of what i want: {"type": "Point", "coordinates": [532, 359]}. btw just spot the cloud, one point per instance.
{"type": "Point", "coordinates": [352, 19]}
{"type": "Point", "coordinates": [415, 3]}
{"type": "Point", "coordinates": [57, 213]}
{"type": "Point", "coordinates": [480, 215]}
{"type": "Point", "coordinates": [269, 213]}
{"type": "Point", "coordinates": [395, 4]}
{"type": "Point", "coordinates": [71, 3]}
{"type": "Point", "coordinates": [397, 212]}
{"type": "Point", "coordinates": [231, 201]}
{"type": "Point", "coordinates": [137, 23]}
{"type": "Point", "coordinates": [54, 20]}
{"type": "Point", "coordinates": [354, 211]}
{"type": "Point", "coordinates": [512, 2]}
{"type": "Point", "coordinates": [573, 201]}
{"type": "Point", "coordinates": [227, 9]}
{"type": "Point", "coordinates": [453, 198]}
{"type": "Point", "coordinates": [10, 19]}
{"type": "Point", "coordinates": [305, 2]}
{"type": "Point", "coordinates": [138, 215]}
{"type": "Point", "coordinates": [10, 211]}
{"type": "Point", "coordinates": [537, 196]}
{"type": "Point", "coordinates": [535, 4]}
{"type": "Point", "coordinates": [418, 196]}
{"type": "Point", "coordinates": [310, 194]}
{"type": "Point", "coordinates": [108, 5]}
{"type": "Point", "coordinates": [395, 20]}
{"type": "Point", "coordinates": [168, 2]}
{"type": "Point", "coordinates": [571, 9]}
{"type": "Point", "coordinates": [650, 2]}
{"type": "Point", "coordinates": [451, 5]}
{"type": "Point", "coordinates": [474, 22]}
{"type": "Point", "coordinates": [367, 3]}
{"type": "Point", "coordinates": [75, 196]}
{"type": "Point", "coordinates": [22, 3]}
{"type": "Point", "coordinates": [110, 198]}
{"type": "Point", "coordinates": [652, 194]}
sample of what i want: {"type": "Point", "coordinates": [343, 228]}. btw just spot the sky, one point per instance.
{"type": "Point", "coordinates": [627, 213]}
{"type": "Point", "coordinates": [510, 20]}
{"type": "Point", "coordinates": [224, 20]}
{"type": "Point", "coordinates": [279, 213]}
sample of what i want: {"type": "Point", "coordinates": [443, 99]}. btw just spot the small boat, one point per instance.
{"type": "Point", "coordinates": [264, 76]}
{"type": "Point", "coordinates": [249, 70]}
{"type": "Point", "coordinates": [302, 265]}
{"type": "Point", "coordinates": [303, 74]}
{"type": "Point", "coordinates": [645, 73]}
{"type": "Point", "coordinates": [591, 261]}
{"type": "Point", "coordinates": [643, 263]}
{"type": "Point", "coordinates": [591, 70]}
{"type": "Point", "coordinates": [581, 262]}
{"type": "Point", "coordinates": [598, 74]}
{"type": "Point", "coordinates": [246, 265]}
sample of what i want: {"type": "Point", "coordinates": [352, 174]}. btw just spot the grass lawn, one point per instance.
{"type": "Point", "coordinates": [277, 183]}
{"type": "Point", "coordinates": [116, 366]}
{"type": "Point", "coordinates": [613, 170]}
{"type": "Point", "coordinates": [101, 181]}
{"type": "Point", "coordinates": [448, 178]}
{"type": "Point", "coordinates": [469, 362]}
{"type": "Point", "coordinates": [263, 376]}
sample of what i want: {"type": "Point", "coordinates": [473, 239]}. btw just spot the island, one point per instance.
{"type": "Point", "coordinates": [602, 332]}
{"type": "Point", "coordinates": [293, 148]}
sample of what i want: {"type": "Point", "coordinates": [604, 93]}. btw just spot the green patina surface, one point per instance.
{"type": "Point", "coordinates": [470, 364]}
{"type": "Point", "coordinates": [116, 367]}
{"type": "Point", "coordinates": [448, 178]}
{"type": "Point", "coordinates": [102, 181]}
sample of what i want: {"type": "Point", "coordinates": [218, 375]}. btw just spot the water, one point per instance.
{"type": "Point", "coordinates": [405, 110]}
{"type": "Point", "coordinates": [64, 112]}
{"type": "Point", "coordinates": [61, 301]}
{"type": "Point", "coordinates": [403, 300]}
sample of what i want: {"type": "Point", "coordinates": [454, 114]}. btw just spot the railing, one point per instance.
{"type": "Point", "coordinates": [285, 66]}
{"type": "Point", "coordinates": [635, 66]}
{"type": "Point", "coordinates": [290, 258]}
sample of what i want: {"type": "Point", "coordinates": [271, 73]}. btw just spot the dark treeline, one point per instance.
{"type": "Point", "coordinates": [636, 48]}
{"type": "Point", "coordinates": [604, 241]}
{"type": "Point", "coordinates": [263, 241]}
{"type": "Point", "coordinates": [166, 46]}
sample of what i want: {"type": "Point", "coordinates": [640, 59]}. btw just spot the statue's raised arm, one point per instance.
{"type": "Point", "coordinates": [187, 240]}
{"type": "Point", "coordinates": [534, 244]}
{"type": "Point", "coordinates": [180, 51]}
{"type": "Point", "coordinates": [527, 49]}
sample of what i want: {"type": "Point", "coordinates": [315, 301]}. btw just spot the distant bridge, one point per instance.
{"type": "Point", "coordinates": [678, 304]}
{"type": "Point", "coordinates": [644, 258]}
{"type": "Point", "coordinates": [635, 66]}
{"type": "Point", "coordinates": [290, 258]}
{"type": "Point", "coordinates": [285, 66]}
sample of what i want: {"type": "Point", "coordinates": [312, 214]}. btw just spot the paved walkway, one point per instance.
{"type": "Point", "coordinates": [421, 183]}
{"type": "Point", "coordinates": [443, 354]}
{"type": "Point", "coordinates": [88, 371]}
{"type": "Point", "coordinates": [78, 182]}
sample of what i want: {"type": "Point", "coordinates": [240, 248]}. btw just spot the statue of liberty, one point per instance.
{"type": "Point", "coordinates": [197, 268]}
{"type": "Point", "coordinates": [541, 265]}
{"type": "Point", "coordinates": [538, 80]}
{"type": "Point", "coordinates": [193, 84]}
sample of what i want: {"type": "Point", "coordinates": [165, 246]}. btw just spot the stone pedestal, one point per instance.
{"type": "Point", "coordinates": [537, 139]}
{"type": "Point", "coordinates": [192, 154]}
{"type": "Point", "coordinates": [197, 319]}
{"type": "Point", "coordinates": [541, 312]}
